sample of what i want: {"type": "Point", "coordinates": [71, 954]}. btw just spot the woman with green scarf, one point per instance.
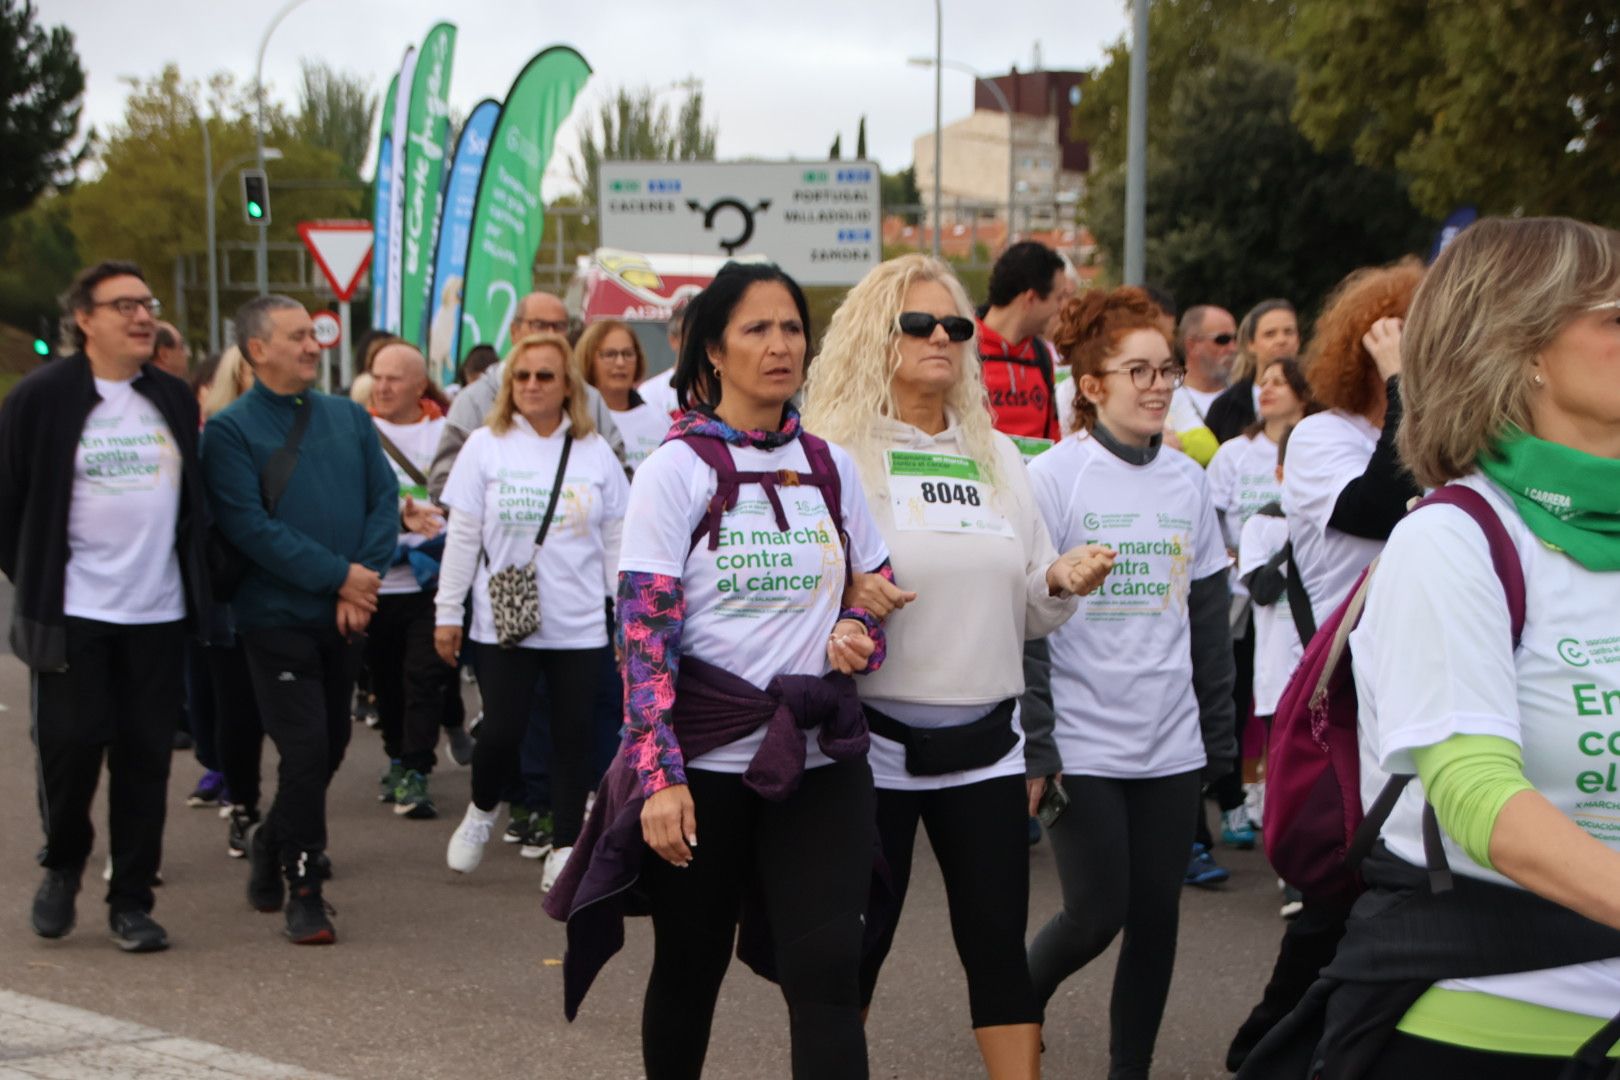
{"type": "Point", "coordinates": [1511, 385]}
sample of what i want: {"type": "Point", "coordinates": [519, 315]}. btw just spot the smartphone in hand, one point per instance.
{"type": "Point", "coordinates": [1053, 802]}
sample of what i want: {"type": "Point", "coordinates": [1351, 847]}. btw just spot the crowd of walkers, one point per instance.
{"type": "Point", "coordinates": [1071, 564]}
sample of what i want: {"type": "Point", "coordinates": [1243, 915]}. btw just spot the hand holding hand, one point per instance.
{"type": "Point", "coordinates": [669, 824]}
{"type": "Point", "coordinates": [875, 593]}
{"type": "Point", "coordinates": [351, 618]}
{"type": "Point", "coordinates": [360, 588]}
{"type": "Point", "coordinates": [850, 647]}
{"type": "Point", "coordinates": [1080, 570]}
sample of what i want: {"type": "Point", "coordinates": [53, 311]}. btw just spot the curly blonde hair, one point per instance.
{"type": "Point", "coordinates": [575, 403]}
{"type": "Point", "coordinates": [1341, 370]}
{"type": "Point", "coordinates": [852, 380]}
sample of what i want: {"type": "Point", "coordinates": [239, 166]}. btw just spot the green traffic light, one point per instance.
{"type": "Point", "coordinates": [254, 209]}
{"type": "Point", "coordinates": [42, 347]}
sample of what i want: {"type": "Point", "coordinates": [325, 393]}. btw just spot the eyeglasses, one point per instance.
{"type": "Point", "coordinates": [920, 324]}
{"type": "Point", "coordinates": [127, 306]}
{"type": "Point", "coordinates": [542, 326]}
{"type": "Point", "coordinates": [1219, 339]}
{"type": "Point", "coordinates": [1143, 375]}
{"type": "Point", "coordinates": [611, 355]}
{"type": "Point", "coordinates": [538, 376]}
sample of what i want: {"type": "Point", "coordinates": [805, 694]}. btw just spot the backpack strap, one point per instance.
{"type": "Point", "coordinates": [1271, 509]}
{"type": "Point", "coordinates": [729, 479]}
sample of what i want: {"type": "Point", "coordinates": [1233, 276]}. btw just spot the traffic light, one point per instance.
{"type": "Point", "coordinates": [255, 197]}
{"type": "Point", "coordinates": [42, 339]}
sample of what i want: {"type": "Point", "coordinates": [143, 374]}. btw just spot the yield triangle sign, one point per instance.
{"type": "Point", "coordinates": [342, 250]}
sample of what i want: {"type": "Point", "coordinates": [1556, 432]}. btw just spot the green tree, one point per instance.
{"type": "Point", "coordinates": [835, 152]}
{"type": "Point", "coordinates": [860, 140]}
{"type": "Point", "coordinates": [38, 256]}
{"type": "Point", "coordinates": [336, 112]}
{"type": "Point", "coordinates": [1240, 205]}
{"type": "Point", "coordinates": [632, 126]}
{"type": "Point", "coordinates": [899, 189]}
{"type": "Point", "coordinates": [1512, 106]}
{"type": "Point", "coordinates": [41, 83]}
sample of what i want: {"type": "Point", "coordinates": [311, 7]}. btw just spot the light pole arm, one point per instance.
{"type": "Point", "coordinates": [262, 262]}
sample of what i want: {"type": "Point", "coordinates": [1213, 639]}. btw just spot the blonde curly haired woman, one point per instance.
{"type": "Point", "coordinates": [897, 384]}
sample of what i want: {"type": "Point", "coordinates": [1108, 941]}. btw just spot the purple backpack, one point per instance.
{"type": "Point", "coordinates": [1315, 832]}
{"type": "Point", "coordinates": [716, 455]}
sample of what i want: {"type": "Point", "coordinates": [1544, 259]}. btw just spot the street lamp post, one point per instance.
{"type": "Point", "coordinates": [1136, 152]}
{"type": "Point", "coordinates": [262, 258]}
{"type": "Point", "coordinates": [939, 92]}
{"type": "Point", "coordinates": [1006, 107]}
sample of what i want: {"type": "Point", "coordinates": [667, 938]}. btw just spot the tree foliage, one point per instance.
{"type": "Point", "coordinates": [860, 140]}
{"type": "Point", "coordinates": [336, 111]}
{"type": "Point", "coordinates": [633, 126]}
{"type": "Point", "coordinates": [41, 84]}
{"type": "Point", "coordinates": [1241, 206]}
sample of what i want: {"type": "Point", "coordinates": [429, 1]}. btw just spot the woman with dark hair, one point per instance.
{"type": "Point", "coordinates": [1141, 676]}
{"type": "Point", "coordinates": [1270, 330]}
{"type": "Point", "coordinates": [739, 537]}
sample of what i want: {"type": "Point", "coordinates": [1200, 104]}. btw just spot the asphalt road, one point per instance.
{"type": "Point", "coordinates": [441, 976]}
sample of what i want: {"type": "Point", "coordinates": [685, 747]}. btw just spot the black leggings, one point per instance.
{"type": "Point", "coordinates": [980, 836]}
{"type": "Point", "coordinates": [810, 859]}
{"type": "Point", "coordinates": [506, 679]}
{"type": "Point", "coordinates": [1408, 1056]}
{"type": "Point", "coordinates": [1121, 850]}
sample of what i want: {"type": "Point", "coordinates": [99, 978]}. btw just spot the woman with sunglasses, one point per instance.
{"type": "Point", "coordinates": [897, 384]}
{"type": "Point", "coordinates": [1141, 676]}
{"type": "Point", "coordinates": [537, 486]}
{"type": "Point", "coordinates": [610, 358]}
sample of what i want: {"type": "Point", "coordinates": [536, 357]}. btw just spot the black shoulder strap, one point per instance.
{"type": "Point", "coordinates": [556, 490]}
{"type": "Point", "coordinates": [278, 470]}
{"type": "Point", "coordinates": [1044, 358]}
{"type": "Point", "coordinates": [1299, 601]}
{"type": "Point", "coordinates": [1271, 509]}
{"type": "Point", "coordinates": [400, 459]}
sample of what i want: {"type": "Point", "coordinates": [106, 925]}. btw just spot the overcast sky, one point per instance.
{"type": "Point", "coordinates": [780, 80]}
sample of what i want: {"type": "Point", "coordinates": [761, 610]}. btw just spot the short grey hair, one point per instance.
{"type": "Point", "coordinates": [252, 320]}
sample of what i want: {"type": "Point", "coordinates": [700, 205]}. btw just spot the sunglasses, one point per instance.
{"type": "Point", "coordinates": [539, 376]}
{"type": "Point", "coordinates": [920, 324]}
{"type": "Point", "coordinates": [1220, 339]}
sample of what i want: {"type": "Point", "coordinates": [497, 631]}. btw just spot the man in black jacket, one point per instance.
{"type": "Point", "coordinates": [102, 531]}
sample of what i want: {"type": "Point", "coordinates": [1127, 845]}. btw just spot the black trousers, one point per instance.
{"type": "Point", "coordinates": [409, 679]}
{"type": "Point", "coordinates": [1121, 850]}
{"type": "Point", "coordinates": [506, 678]}
{"type": "Point", "coordinates": [980, 836]}
{"type": "Point", "coordinates": [303, 677]}
{"type": "Point", "coordinates": [238, 731]}
{"type": "Point", "coordinates": [1308, 944]}
{"type": "Point", "coordinates": [117, 701]}
{"type": "Point", "coordinates": [810, 859]}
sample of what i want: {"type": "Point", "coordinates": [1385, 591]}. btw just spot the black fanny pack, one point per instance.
{"type": "Point", "coordinates": [935, 751]}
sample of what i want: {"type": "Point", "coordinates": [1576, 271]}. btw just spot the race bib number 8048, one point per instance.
{"type": "Point", "coordinates": [942, 493]}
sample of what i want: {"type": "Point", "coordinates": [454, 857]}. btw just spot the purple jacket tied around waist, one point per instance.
{"type": "Point", "coordinates": [712, 708]}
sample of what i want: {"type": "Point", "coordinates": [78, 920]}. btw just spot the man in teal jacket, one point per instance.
{"type": "Point", "coordinates": [315, 559]}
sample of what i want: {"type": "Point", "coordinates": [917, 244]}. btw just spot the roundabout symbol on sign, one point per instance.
{"type": "Point", "coordinates": [728, 203]}
{"type": "Point", "coordinates": [327, 329]}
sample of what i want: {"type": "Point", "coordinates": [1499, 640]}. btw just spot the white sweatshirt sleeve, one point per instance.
{"type": "Point", "coordinates": [458, 567]}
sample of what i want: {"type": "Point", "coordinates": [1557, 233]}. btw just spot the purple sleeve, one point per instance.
{"type": "Point", "coordinates": [651, 612]}
{"type": "Point", "coordinates": [874, 625]}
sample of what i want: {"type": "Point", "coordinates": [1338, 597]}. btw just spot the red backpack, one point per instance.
{"type": "Point", "coordinates": [1315, 832]}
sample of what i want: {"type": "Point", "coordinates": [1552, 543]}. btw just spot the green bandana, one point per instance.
{"type": "Point", "coordinates": [1569, 499]}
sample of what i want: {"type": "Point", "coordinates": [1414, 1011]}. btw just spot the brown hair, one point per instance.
{"type": "Point", "coordinates": [575, 404]}
{"type": "Point", "coordinates": [1295, 374]}
{"type": "Point", "coordinates": [1090, 328]}
{"type": "Point", "coordinates": [1341, 370]}
{"type": "Point", "coordinates": [591, 341]}
{"type": "Point", "coordinates": [1497, 296]}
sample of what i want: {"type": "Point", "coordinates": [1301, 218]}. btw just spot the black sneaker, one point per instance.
{"type": "Point", "coordinates": [308, 921]}
{"type": "Point", "coordinates": [136, 931]}
{"type": "Point", "coordinates": [242, 821]}
{"type": "Point", "coordinates": [265, 889]}
{"type": "Point", "coordinates": [53, 903]}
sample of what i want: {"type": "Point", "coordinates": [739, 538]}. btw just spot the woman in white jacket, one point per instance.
{"type": "Point", "coordinates": [897, 384]}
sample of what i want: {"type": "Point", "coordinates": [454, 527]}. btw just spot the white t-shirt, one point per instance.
{"type": "Point", "coordinates": [417, 442]}
{"type": "Point", "coordinates": [1277, 649]}
{"type": "Point", "coordinates": [1326, 452]}
{"type": "Point", "coordinates": [1196, 401]}
{"type": "Point", "coordinates": [643, 429]}
{"type": "Point", "coordinates": [1064, 396]}
{"type": "Point", "coordinates": [1432, 659]}
{"type": "Point", "coordinates": [763, 603]}
{"type": "Point", "coordinates": [122, 566]}
{"type": "Point", "coordinates": [1242, 479]}
{"type": "Point", "coordinates": [656, 391]}
{"type": "Point", "coordinates": [504, 482]}
{"type": "Point", "coordinates": [1122, 667]}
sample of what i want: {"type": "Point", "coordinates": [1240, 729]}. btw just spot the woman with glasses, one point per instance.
{"type": "Point", "coordinates": [897, 384]}
{"type": "Point", "coordinates": [536, 487]}
{"type": "Point", "coordinates": [1141, 676]}
{"type": "Point", "coordinates": [610, 358]}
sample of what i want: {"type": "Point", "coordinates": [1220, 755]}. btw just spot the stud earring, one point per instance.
{"type": "Point", "coordinates": [1536, 379]}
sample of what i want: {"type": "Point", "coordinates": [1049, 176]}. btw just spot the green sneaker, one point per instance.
{"type": "Point", "coordinates": [518, 825]}
{"type": "Point", "coordinates": [388, 781]}
{"type": "Point", "coordinates": [411, 797]}
{"type": "Point", "coordinates": [537, 841]}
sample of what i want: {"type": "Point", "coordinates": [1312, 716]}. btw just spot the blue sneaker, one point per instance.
{"type": "Point", "coordinates": [1034, 831]}
{"type": "Point", "coordinates": [1202, 870]}
{"type": "Point", "coordinates": [209, 790]}
{"type": "Point", "coordinates": [1237, 830]}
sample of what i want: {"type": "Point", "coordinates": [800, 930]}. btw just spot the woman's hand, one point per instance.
{"type": "Point", "coordinates": [669, 824]}
{"type": "Point", "coordinates": [1079, 570]}
{"type": "Point", "coordinates": [422, 518]}
{"type": "Point", "coordinates": [850, 647]}
{"type": "Point", "coordinates": [447, 643]}
{"type": "Point", "coordinates": [1037, 788]}
{"type": "Point", "coordinates": [1383, 343]}
{"type": "Point", "coordinates": [877, 594]}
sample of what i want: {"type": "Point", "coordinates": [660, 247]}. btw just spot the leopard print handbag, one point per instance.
{"type": "Point", "coordinates": [514, 591]}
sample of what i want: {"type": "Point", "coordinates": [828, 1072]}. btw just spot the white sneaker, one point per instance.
{"type": "Point", "coordinates": [554, 867]}
{"type": "Point", "coordinates": [1254, 801]}
{"type": "Point", "coordinates": [466, 848]}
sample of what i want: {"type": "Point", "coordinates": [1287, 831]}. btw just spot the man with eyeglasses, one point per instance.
{"type": "Point", "coordinates": [103, 533]}
{"type": "Point", "coordinates": [537, 313]}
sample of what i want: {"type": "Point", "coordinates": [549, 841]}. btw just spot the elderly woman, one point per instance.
{"type": "Point", "coordinates": [537, 501]}
{"type": "Point", "coordinates": [897, 383]}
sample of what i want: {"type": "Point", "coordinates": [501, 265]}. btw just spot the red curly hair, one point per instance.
{"type": "Point", "coordinates": [1340, 369]}
{"type": "Point", "coordinates": [1090, 328]}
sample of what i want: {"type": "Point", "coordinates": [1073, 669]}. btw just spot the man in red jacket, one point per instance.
{"type": "Point", "coordinates": [1028, 285]}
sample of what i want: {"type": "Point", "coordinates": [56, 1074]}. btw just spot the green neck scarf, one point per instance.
{"type": "Point", "coordinates": [1569, 499]}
